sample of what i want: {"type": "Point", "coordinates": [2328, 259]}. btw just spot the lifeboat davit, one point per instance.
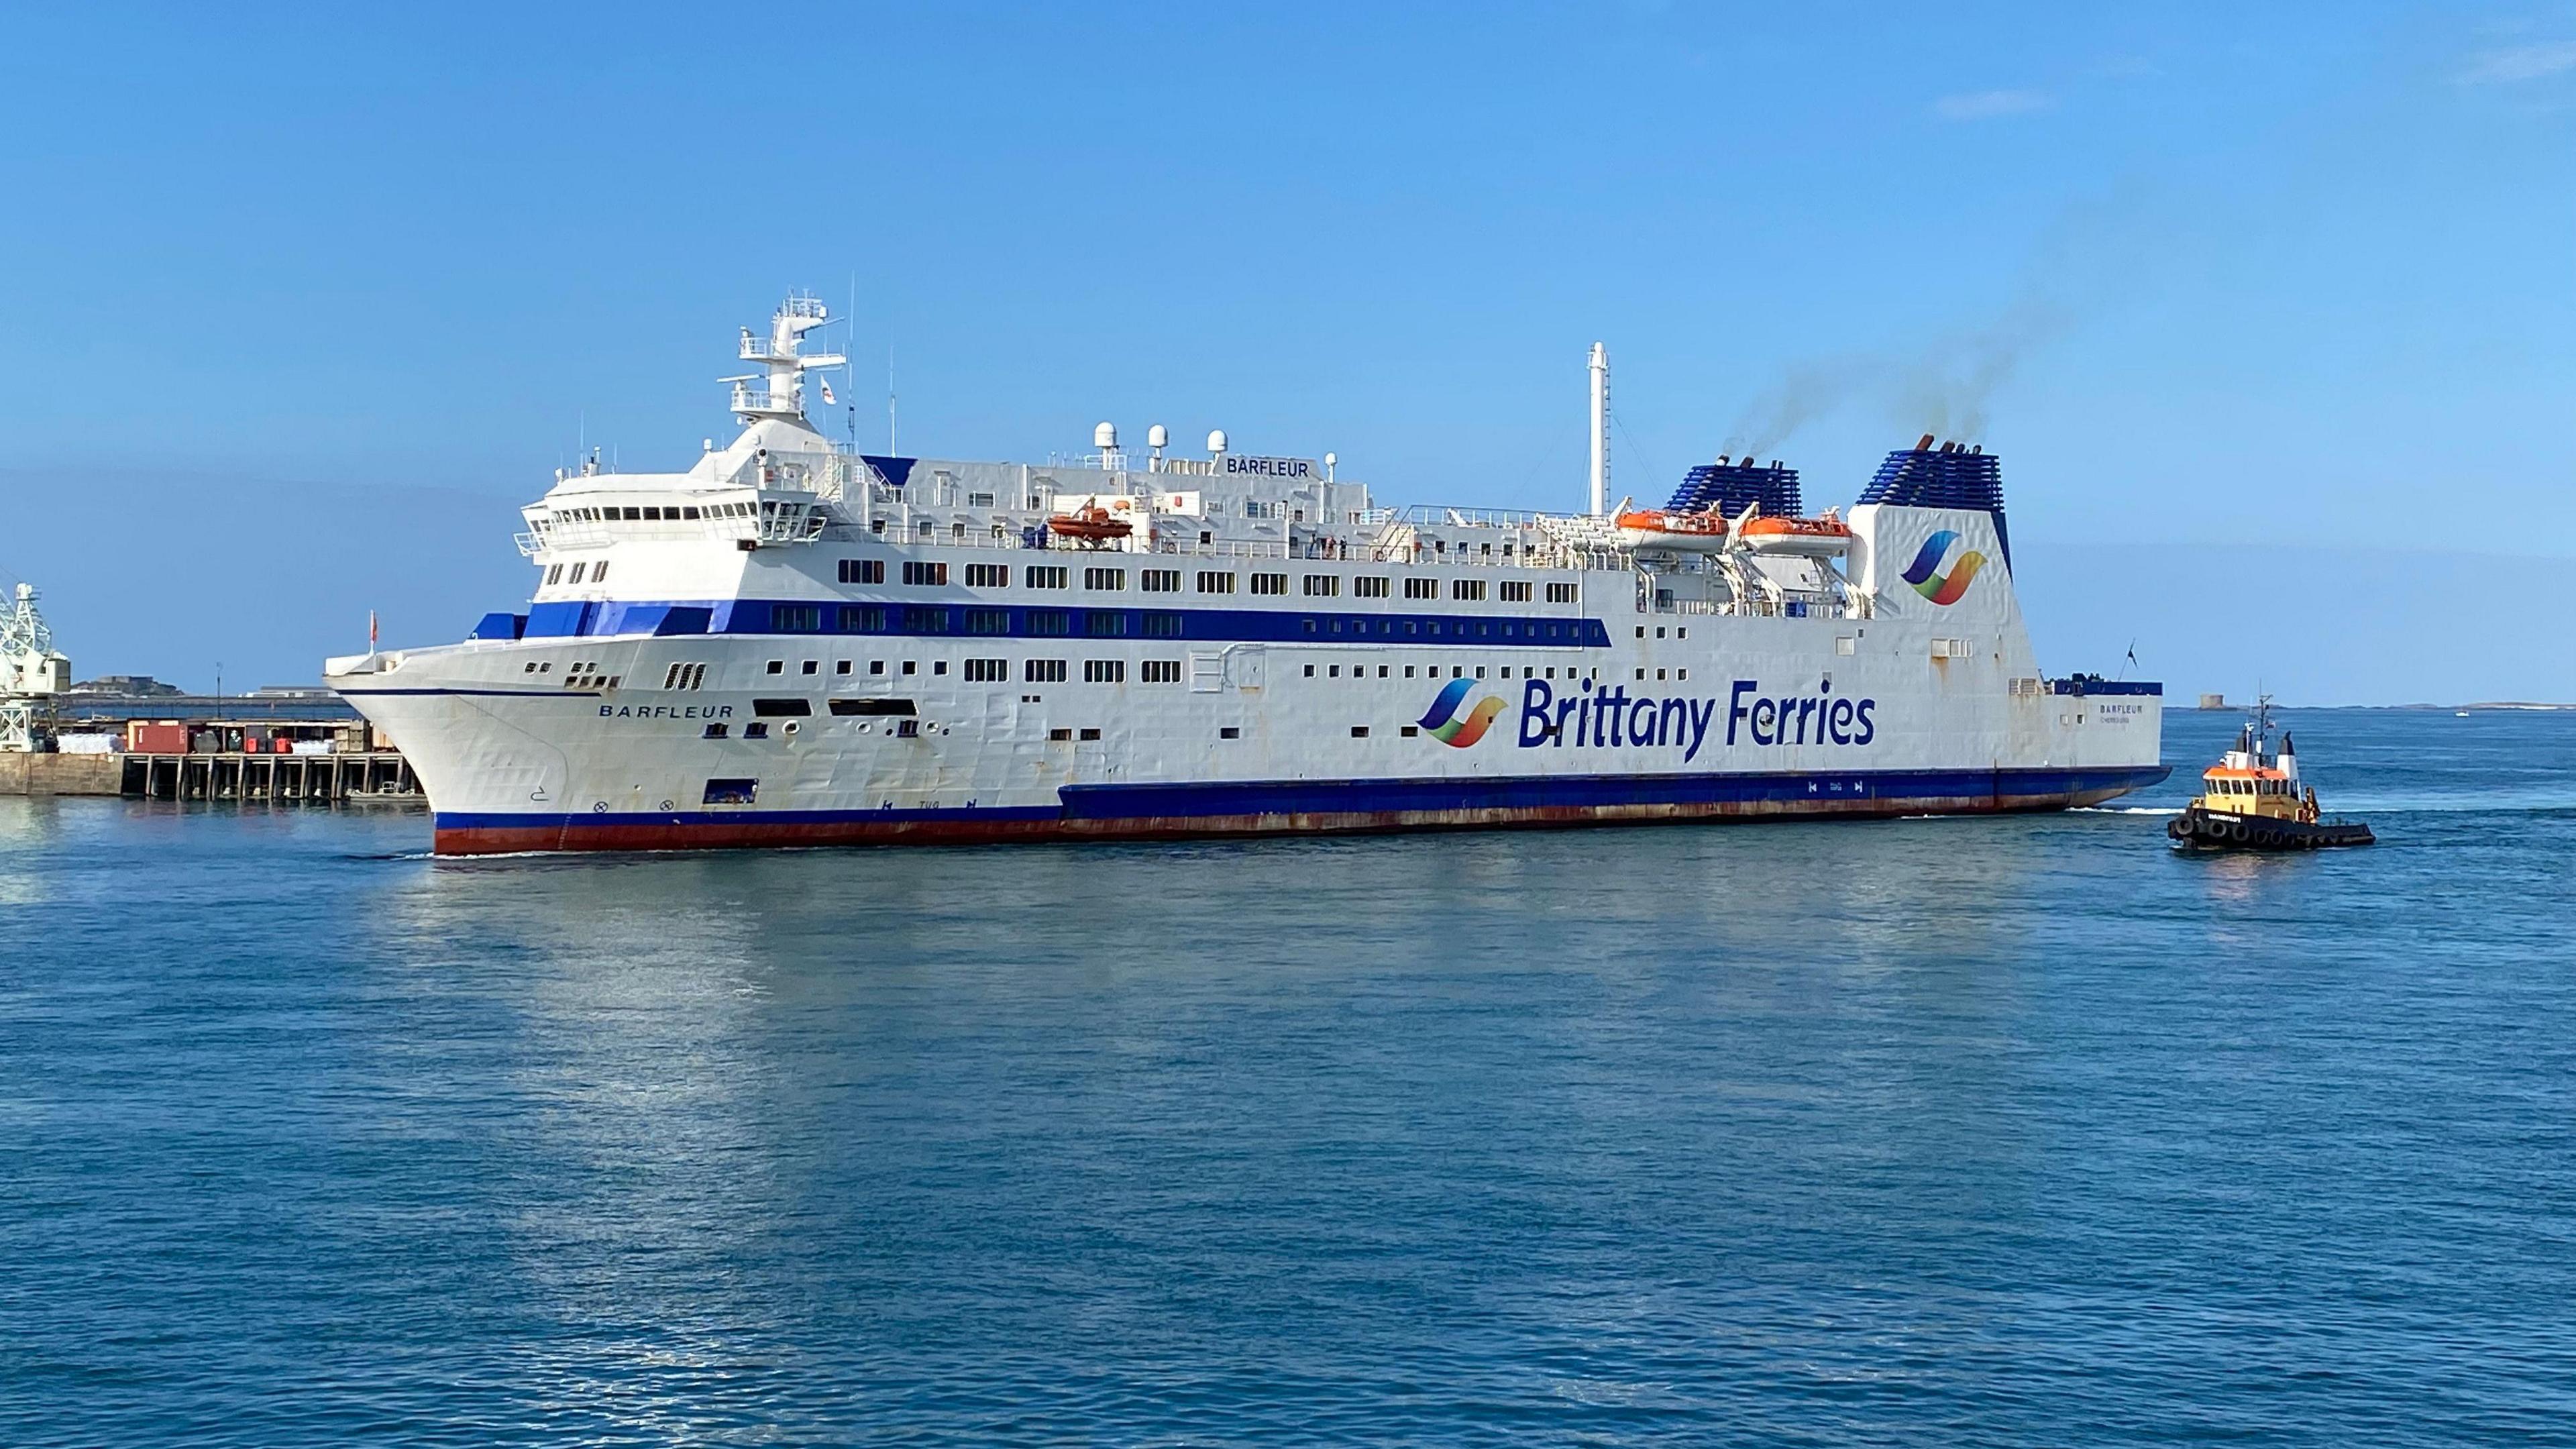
{"type": "Point", "coordinates": [1653, 528]}
{"type": "Point", "coordinates": [1090, 523]}
{"type": "Point", "coordinates": [1826, 537]}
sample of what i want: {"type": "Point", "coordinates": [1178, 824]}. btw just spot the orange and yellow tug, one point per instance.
{"type": "Point", "coordinates": [2252, 800]}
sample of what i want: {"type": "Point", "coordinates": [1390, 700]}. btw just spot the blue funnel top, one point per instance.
{"type": "Point", "coordinates": [1945, 477]}
{"type": "Point", "coordinates": [1728, 487]}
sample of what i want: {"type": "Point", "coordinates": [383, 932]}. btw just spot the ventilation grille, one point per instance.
{"type": "Point", "coordinates": [1948, 476]}
{"type": "Point", "coordinates": [1730, 487]}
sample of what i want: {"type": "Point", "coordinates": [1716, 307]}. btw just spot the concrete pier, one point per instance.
{"type": "Point", "coordinates": [60, 774]}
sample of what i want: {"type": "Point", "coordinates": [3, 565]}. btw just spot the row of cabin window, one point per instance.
{"type": "Point", "coordinates": [925, 574]}
{"type": "Point", "coordinates": [598, 573]}
{"type": "Point", "coordinates": [670, 513]}
{"type": "Point", "coordinates": [1107, 623]}
{"type": "Point", "coordinates": [1460, 671]}
{"type": "Point", "coordinates": [926, 530]}
{"type": "Point", "coordinates": [994, 671]}
{"type": "Point", "coordinates": [2252, 787]}
{"type": "Point", "coordinates": [938, 619]}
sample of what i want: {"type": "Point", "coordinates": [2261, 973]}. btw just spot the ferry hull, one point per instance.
{"type": "Point", "coordinates": [1178, 812]}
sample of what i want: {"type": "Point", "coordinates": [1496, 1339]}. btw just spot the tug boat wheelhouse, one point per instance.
{"type": "Point", "coordinates": [792, 642]}
{"type": "Point", "coordinates": [2252, 800]}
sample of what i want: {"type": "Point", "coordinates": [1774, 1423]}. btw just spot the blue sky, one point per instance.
{"type": "Point", "coordinates": [299, 305]}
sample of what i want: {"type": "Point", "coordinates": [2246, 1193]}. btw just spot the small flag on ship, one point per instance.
{"type": "Point", "coordinates": [371, 628]}
{"type": "Point", "coordinates": [828, 399]}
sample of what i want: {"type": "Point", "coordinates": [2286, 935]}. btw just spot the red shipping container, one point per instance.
{"type": "Point", "coordinates": [157, 739]}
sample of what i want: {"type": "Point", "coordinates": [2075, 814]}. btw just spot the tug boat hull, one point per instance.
{"type": "Point", "coordinates": [2198, 829]}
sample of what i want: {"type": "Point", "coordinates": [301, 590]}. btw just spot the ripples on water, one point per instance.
{"type": "Point", "coordinates": [1940, 1131]}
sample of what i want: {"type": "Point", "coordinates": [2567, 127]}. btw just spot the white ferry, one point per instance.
{"type": "Point", "coordinates": [795, 643]}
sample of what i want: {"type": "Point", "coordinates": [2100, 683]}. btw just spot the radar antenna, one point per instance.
{"type": "Point", "coordinates": [781, 392]}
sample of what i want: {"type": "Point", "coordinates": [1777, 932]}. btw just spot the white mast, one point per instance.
{"type": "Point", "coordinates": [1600, 430]}
{"type": "Point", "coordinates": [782, 392]}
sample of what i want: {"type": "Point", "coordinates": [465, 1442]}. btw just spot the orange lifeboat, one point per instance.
{"type": "Point", "coordinates": [1654, 528]}
{"type": "Point", "coordinates": [1826, 537]}
{"type": "Point", "coordinates": [1091, 524]}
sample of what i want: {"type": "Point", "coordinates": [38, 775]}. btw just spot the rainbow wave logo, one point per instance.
{"type": "Point", "coordinates": [1926, 578]}
{"type": "Point", "coordinates": [1444, 722]}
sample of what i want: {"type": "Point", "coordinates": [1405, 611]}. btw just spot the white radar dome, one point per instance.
{"type": "Point", "coordinates": [1158, 436]}
{"type": "Point", "coordinates": [1105, 436]}
{"type": "Point", "coordinates": [1216, 440]}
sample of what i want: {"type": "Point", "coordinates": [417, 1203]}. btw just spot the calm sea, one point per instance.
{"type": "Point", "coordinates": [1925, 1132]}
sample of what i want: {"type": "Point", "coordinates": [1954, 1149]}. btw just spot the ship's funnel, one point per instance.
{"type": "Point", "coordinates": [1945, 477]}
{"type": "Point", "coordinates": [1729, 487]}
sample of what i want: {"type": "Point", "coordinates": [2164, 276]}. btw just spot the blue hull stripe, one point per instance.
{"type": "Point", "coordinates": [1847, 790]}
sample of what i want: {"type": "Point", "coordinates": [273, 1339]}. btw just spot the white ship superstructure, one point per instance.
{"type": "Point", "coordinates": [792, 642]}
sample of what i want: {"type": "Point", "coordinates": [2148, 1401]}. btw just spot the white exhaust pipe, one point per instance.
{"type": "Point", "coordinates": [1600, 429]}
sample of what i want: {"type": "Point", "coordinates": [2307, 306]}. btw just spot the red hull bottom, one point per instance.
{"type": "Point", "coordinates": [629, 834]}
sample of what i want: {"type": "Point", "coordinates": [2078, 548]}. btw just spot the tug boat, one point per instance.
{"type": "Point", "coordinates": [2252, 800]}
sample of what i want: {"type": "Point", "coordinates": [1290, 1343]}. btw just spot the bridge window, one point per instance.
{"type": "Point", "coordinates": [1046, 576]}
{"type": "Point", "coordinates": [1270, 583]}
{"type": "Point", "coordinates": [1161, 581]}
{"type": "Point", "coordinates": [1104, 578]}
{"type": "Point", "coordinates": [1422, 588]}
{"type": "Point", "coordinates": [1368, 586]}
{"type": "Point", "coordinates": [1323, 586]}
{"type": "Point", "coordinates": [1212, 581]}
{"type": "Point", "coordinates": [988, 576]}
{"type": "Point", "coordinates": [1514, 592]}
{"type": "Point", "coordinates": [925, 575]}
{"type": "Point", "coordinates": [1560, 593]}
